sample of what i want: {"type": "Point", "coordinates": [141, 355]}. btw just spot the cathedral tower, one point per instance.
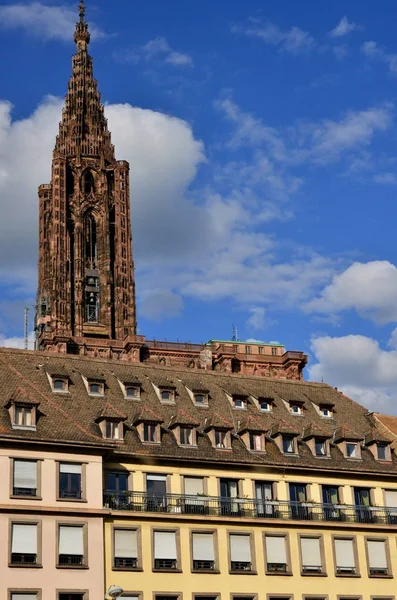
{"type": "Point", "coordinates": [86, 288]}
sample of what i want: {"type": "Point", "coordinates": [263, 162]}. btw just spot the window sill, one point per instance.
{"type": "Point", "coordinates": [243, 572]}
{"type": "Point", "coordinates": [131, 569]}
{"type": "Point", "coordinates": [194, 446]}
{"type": "Point", "coordinates": [25, 566]}
{"type": "Point", "coordinates": [24, 427]}
{"type": "Point", "coordinates": [69, 567]}
{"type": "Point", "coordinates": [278, 573]}
{"type": "Point", "coordinates": [351, 575]}
{"type": "Point", "coordinates": [61, 392]}
{"type": "Point", "coordinates": [306, 574]}
{"type": "Point", "coordinates": [380, 576]}
{"type": "Point", "coordinates": [22, 497]}
{"type": "Point", "coordinates": [167, 570]}
{"type": "Point", "coordinates": [83, 500]}
{"type": "Point", "coordinates": [207, 571]}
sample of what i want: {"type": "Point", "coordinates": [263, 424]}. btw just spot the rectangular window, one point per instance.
{"type": "Point", "coordinates": [351, 450]}
{"type": "Point", "coordinates": [377, 557]}
{"type": "Point", "coordinates": [239, 402]}
{"type": "Point", "coordinates": [255, 441]}
{"type": "Point", "coordinates": [149, 432]}
{"type": "Point", "coordinates": [24, 544]}
{"type": "Point", "coordinates": [23, 416]}
{"type": "Point", "coordinates": [288, 444]}
{"type": "Point", "coordinates": [265, 405]}
{"type": "Point", "coordinates": [260, 349]}
{"type": "Point", "coordinates": [320, 447]}
{"type": "Point", "coordinates": [274, 351]}
{"type": "Point", "coordinates": [240, 552]}
{"type": "Point", "coordinates": [70, 480]}
{"type": "Point", "coordinates": [24, 478]}
{"type": "Point", "coordinates": [116, 481]}
{"type": "Point", "coordinates": [382, 449]}
{"type": "Point", "coordinates": [194, 488]}
{"type": "Point", "coordinates": [311, 555]}
{"type": "Point", "coordinates": [345, 556]}
{"type": "Point", "coordinates": [125, 548]}
{"type": "Point", "coordinates": [71, 596]}
{"type": "Point", "coordinates": [203, 551]}
{"type": "Point", "coordinates": [263, 498]}
{"type": "Point", "coordinates": [185, 436]}
{"type": "Point", "coordinates": [276, 554]}
{"type": "Point", "coordinates": [71, 545]}
{"type": "Point", "coordinates": [220, 439]}
{"type": "Point", "coordinates": [248, 349]}
{"type": "Point", "coordinates": [165, 552]}
{"type": "Point", "coordinates": [113, 430]}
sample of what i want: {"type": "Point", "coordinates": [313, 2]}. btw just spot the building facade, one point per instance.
{"type": "Point", "coordinates": [107, 485]}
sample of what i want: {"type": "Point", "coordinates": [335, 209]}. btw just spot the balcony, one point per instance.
{"type": "Point", "coordinates": [249, 508]}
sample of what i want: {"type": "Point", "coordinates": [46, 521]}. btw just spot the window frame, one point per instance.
{"type": "Point", "coordinates": [14, 590]}
{"type": "Point", "coordinates": [128, 386]}
{"type": "Point", "coordinates": [268, 401]}
{"type": "Point", "coordinates": [227, 439]}
{"type": "Point", "coordinates": [294, 440]}
{"type": "Point", "coordinates": [128, 474]}
{"type": "Point", "coordinates": [216, 569]}
{"type": "Point", "coordinates": [323, 572]}
{"type": "Point", "coordinates": [239, 398]}
{"type": "Point", "coordinates": [285, 535]}
{"type": "Point", "coordinates": [38, 478]}
{"type": "Point", "coordinates": [171, 399]}
{"type": "Point", "coordinates": [22, 406]}
{"type": "Point", "coordinates": [353, 538]}
{"type": "Point", "coordinates": [64, 380]}
{"type": "Point", "coordinates": [100, 384]}
{"type": "Point", "coordinates": [203, 404]}
{"type": "Point", "coordinates": [138, 530]}
{"type": "Point", "coordinates": [192, 436]}
{"type": "Point", "coordinates": [83, 481]}
{"type": "Point", "coordinates": [85, 564]}
{"type": "Point", "coordinates": [177, 532]}
{"type": "Point", "coordinates": [385, 540]}
{"type": "Point", "coordinates": [141, 430]}
{"type": "Point", "coordinates": [112, 423]}
{"type": "Point", "coordinates": [250, 533]}
{"type": "Point", "coordinates": [39, 537]}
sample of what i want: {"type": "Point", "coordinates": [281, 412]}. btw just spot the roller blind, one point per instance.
{"type": "Point", "coordinates": [194, 485]}
{"type": "Point", "coordinates": [203, 546]}
{"type": "Point", "coordinates": [240, 548]}
{"type": "Point", "coordinates": [71, 540]}
{"type": "Point", "coordinates": [156, 477]}
{"type": "Point", "coordinates": [125, 543]}
{"type": "Point", "coordinates": [311, 554]}
{"type": "Point", "coordinates": [344, 553]}
{"type": "Point", "coordinates": [22, 596]}
{"type": "Point", "coordinates": [25, 472]}
{"type": "Point", "coordinates": [275, 549]}
{"type": "Point", "coordinates": [24, 539]}
{"type": "Point", "coordinates": [391, 498]}
{"type": "Point", "coordinates": [377, 554]}
{"type": "Point", "coordinates": [70, 468]}
{"type": "Point", "coordinates": [165, 544]}
{"type": "Point", "coordinates": [129, 597]}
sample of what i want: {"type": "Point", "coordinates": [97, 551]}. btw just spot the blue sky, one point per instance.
{"type": "Point", "coordinates": [263, 151]}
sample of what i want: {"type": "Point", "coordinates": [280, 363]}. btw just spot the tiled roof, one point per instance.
{"type": "Point", "coordinates": [284, 427]}
{"type": "Point", "coordinates": [314, 430]}
{"type": "Point", "coordinates": [389, 422]}
{"type": "Point", "coordinates": [251, 423]}
{"type": "Point", "coordinates": [110, 412]}
{"type": "Point", "coordinates": [346, 433]}
{"type": "Point", "coordinates": [183, 418]}
{"type": "Point", "coordinates": [70, 418]}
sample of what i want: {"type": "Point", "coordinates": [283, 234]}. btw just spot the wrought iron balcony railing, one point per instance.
{"type": "Point", "coordinates": [247, 507]}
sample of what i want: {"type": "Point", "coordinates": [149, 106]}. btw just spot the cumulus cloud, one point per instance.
{"type": "Point", "coordinates": [368, 288]}
{"type": "Point", "coordinates": [157, 305]}
{"type": "Point", "coordinates": [344, 27]}
{"type": "Point", "coordinates": [157, 49]}
{"type": "Point", "coordinates": [43, 21]}
{"type": "Point", "coordinates": [359, 367]}
{"type": "Point", "coordinates": [292, 41]}
{"type": "Point", "coordinates": [257, 317]}
{"type": "Point", "coordinates": [373, 51]}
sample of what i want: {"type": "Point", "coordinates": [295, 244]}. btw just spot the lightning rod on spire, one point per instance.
{"type": "Point", "coordinates": [82, 10]}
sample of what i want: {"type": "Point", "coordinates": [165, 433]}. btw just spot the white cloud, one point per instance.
{"type": "Point", "coordinates": [344, 27]}
{"type": "Point", "coordinates": [341, 51]}
{"type": "Point", "coordinates": [293, 40]}
{"type": "Point", "coordinates": [368, 288]}
{"type": "Point", "coordinates": [257, 318]}
{"type": "Point", "coordinates": [157, 49]}
{"type": "Point", "coordinates": [387, 178]}
{"type": "Point", "coordinates": [17, 342]}
{"type": "Point", "coordinates": [373, 51]}
{"type": "Point", "coordinates": [43, 21]}
{"type": "Point", "coordinates": [158, 304]}
{"type": "Point", "coordinates": [359, 367]}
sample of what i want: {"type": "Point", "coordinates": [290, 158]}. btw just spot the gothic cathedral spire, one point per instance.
{"type": "Point", "coordinates": [86, 288]}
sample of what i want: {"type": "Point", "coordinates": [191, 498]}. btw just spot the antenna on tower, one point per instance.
{"type": "Point", "coordinates": [234, 334]}
{"type": "Point", "coordinates": [27, 309]}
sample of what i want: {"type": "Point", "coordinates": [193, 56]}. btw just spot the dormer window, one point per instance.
{"type": "Point", "coordinates": [23, 416]}
{"type": "Point", "coordinates": [59, 385]}
{"type": "Point", "coordinates": [256, 442]}
{"type": "Point", "coordinates": [326, 412]}
{"type": "Point", "coordinates": [352, 450]}
{"type": "Point", "coordinates": [96, 388]}
{"type": "Point", "coordinates": [265, 404]}
{"type": "Point", "coordinates": [167, 395]}
{"type": "Point", "coordinates": [132, 392]}
{"type": "Point", "coordinates": [150, 433]}
{"type": "Point", "coordinates": [239, 402]}
{"type": "Point", "coordinates": [186, 436]}
{"type": "Point", "coordinates": [382, 452]}
{"type": "Point", "coordinates": [320, 447]}
{"type": "Point", "coordinates": [201, 399]}
{"type": "Point", "coordinates": [220, 438]}
{"type": "Point", "coordinates": [295, 408]}
{"type": "Point", "coordinates": [114, 431]}
{"type": "Point", "coordinates": [288, 444]}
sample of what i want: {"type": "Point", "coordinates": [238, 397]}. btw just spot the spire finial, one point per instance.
{"type": "Point", "coordinates": [82, 35]}
{"type": "Point", "coordinates": [82, 11]}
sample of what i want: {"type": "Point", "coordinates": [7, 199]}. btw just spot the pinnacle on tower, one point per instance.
{"type": "Point", "coordinates": [82, 35]}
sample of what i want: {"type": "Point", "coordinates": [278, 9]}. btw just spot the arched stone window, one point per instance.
{"type": "Point", "coordinates": [88, 182]}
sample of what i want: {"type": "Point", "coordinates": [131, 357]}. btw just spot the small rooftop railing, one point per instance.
{"type": "Point", "coordinates": [181, 346]}
{"type": "Point", "coordinates": [250, 508]}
